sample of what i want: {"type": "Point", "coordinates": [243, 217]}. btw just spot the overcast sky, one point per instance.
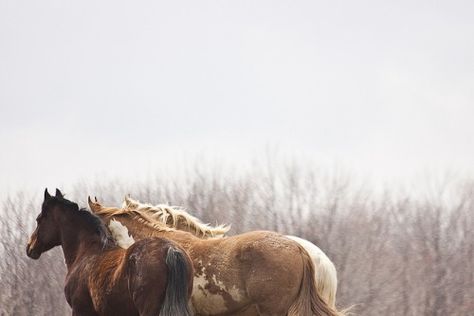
{"type": "Point", "coordinates": [93, 88]}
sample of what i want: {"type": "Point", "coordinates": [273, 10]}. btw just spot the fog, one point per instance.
{"type": "Point", "coordinates": [115, 88]}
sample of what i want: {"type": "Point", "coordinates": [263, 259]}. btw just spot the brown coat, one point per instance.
{"type": "Point", "coordinates": [256, 273]}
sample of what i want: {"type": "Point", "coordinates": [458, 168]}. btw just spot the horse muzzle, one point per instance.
{"type": "Point", "coordinates": [32, 252]}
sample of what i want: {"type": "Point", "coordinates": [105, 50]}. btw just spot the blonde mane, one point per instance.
{"type": "Point", "coordinates": [133, 214]}
{"type": "Point", "coordinates": [175, 217]}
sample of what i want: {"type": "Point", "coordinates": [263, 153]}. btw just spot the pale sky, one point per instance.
{"type": "Point", "coordinates": [118, 88]}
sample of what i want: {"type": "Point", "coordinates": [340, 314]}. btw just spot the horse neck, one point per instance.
{"type": "Point", "coordinates": [77, 240]}
{"type": "Point", "coordinates": [139, 230]}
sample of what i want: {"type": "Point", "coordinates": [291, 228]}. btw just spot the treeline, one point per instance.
{"type": "Point", "coordinates": [396, 253]}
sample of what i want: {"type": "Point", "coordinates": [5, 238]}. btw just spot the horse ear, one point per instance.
{"type": "Point", "coordinates": [59, 194]}
{"type": "Point", "coordinates": [128, 202]}
{"type": "Point", "coordinates": [47, 196]}
{"type": "Point", "coordinates": [95, 206]}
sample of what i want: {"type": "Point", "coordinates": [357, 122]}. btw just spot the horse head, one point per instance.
{"type": "Point", "coordinates": [47, 234]}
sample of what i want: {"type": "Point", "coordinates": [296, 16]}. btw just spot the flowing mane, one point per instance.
{"type": "Point", "coordinates": [137, 215]}
{"type": "Point", "coordinates": [175, 217]}
{"type": "Point", "coordinates": [96, 223]}
{"type": "Point", "coordinates": [91, 220]}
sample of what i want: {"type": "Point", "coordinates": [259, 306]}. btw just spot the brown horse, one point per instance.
{"type": "Point", "coordinates": [152, 277]}
{"type": "Point", "coordinates": [176, 217]}
{"type": "Point", "coordinates": [256, 273]}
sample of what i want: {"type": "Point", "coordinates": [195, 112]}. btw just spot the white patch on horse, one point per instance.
{"type": "Point", "coordinates": [206, 302]}
{"type": "Point", "coordinates": [120, 234]}
{"type": "Point", "coordinates": [233, 291]}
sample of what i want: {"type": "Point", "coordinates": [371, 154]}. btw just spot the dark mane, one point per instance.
{"type": "Point", "coordinates": [92, 220]}
{"type": "Point", "coordinates": [96, 223]}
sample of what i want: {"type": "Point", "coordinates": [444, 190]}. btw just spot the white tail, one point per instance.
{"type": "Point", "coordinates": [325, 271]}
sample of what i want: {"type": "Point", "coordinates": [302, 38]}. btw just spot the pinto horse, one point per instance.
{"type": "Point", "coordinates": [152, 277]}
{"type": "Point", "coordinates": [176, 217]}
{"type": "Point", "coordinates": [258, 273]}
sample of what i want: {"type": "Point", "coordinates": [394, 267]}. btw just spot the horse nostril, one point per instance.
{"type": "Point", "coordinates": [32, 253]}
{"type": "Point", "coordinates": [28, 250]}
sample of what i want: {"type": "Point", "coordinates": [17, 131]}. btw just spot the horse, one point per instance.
{"type": "Point", "coordinates": [256, 273]}
{"type": "Point", "coordinates": [179, 218]}
{"type": "Point", "coordinates": [154, 276]}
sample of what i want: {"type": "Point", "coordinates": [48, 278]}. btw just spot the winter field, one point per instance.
{"type": "Point", "coordinates": [396, 252]}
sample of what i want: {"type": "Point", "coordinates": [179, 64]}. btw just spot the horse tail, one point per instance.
{"type": "Point", "coordinates": [325, 271]}
{"type": "Point", "coordinates": [177, 289]}
{"type": "Point", "coordinates": [309, 301]}
{"type": "Point", "coordinates": [326, 281]}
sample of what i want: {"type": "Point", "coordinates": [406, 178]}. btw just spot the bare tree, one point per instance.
{"type": "Point", "coordinates": [396, 254]}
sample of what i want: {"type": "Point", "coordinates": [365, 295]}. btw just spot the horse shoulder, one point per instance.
{"type": "Point", "coordinates": [76, 290]}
